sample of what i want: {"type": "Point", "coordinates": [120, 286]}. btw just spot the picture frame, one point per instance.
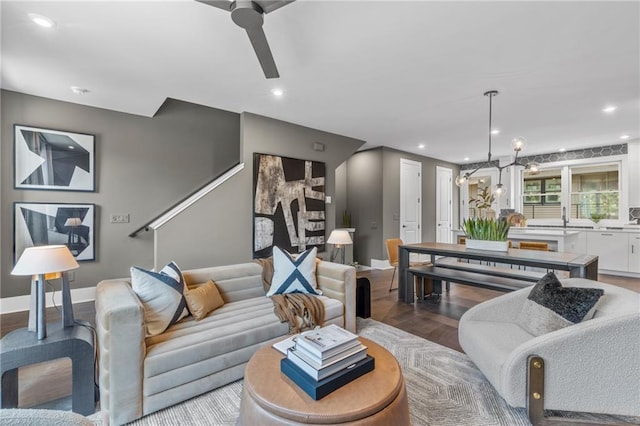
{"type": "Point", "coordinates": [37, 224]}
{"type": "Point", "coordinates": [288, 204]}
{"type": "Point", "coordinates": [53, 160]}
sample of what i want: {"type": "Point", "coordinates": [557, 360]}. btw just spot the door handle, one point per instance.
{"type": "Point", "coordinates": [404, 226]}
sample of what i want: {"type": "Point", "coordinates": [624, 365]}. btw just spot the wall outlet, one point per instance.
{"type": "Point", "coordinates": [71, 276]}
{"type": "Point", "coordinates": [119, 218]}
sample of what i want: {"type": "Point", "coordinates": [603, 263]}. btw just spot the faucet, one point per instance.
{"type": "Point", "coordinates": [564, 217]}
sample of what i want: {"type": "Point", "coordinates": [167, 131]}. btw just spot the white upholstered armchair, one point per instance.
{"type": "Point", "coordinates": [592, 366]}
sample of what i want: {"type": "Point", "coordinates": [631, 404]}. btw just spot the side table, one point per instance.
{"type": "Point", "coordinates": [22, 347]}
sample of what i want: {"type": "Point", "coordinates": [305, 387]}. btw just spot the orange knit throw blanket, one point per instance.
{"type": "Point", "coordinates": [301, 311]}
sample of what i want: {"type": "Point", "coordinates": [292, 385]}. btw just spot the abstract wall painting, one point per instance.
{"type": "Point", "coordinates": [38, 224]}
{"type": "Point", "coordinates": [53, 160]}
{"type": "Point", "coordinates": [289, 204]}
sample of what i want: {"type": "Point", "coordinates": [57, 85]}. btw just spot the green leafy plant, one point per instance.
{"type": "Point", "coordinates": [346, 219]}
{"type": "Point", "coordinates": [486, 229]}
{"type": "Point", "coordinates": [484, 198]}
{"type": "Point", "coordinates": [597, 217]}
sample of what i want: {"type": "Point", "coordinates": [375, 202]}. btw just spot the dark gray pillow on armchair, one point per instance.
{"type": "Point", "coordinates": [550, 306]}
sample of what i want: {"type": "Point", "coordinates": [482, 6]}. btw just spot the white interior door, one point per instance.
{"type": "Point", "coordinates": [410, 201]}
{"type": "Point", "coordinates": [444, 206]}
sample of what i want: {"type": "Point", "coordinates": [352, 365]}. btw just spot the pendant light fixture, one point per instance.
{"type": "Point", "coordinates": [518, 144]}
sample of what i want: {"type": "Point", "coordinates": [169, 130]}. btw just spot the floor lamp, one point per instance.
{"type": "Point", "coordinates": [46, 262]}
{"type": "Point", "coordinates": [339, 238]}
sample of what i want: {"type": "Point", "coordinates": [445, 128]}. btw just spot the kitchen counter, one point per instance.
{"type": "Point", "coordinates": [562, 240]}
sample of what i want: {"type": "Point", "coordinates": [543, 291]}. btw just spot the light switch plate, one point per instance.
{"type": "Point", "coordinates": [119, 218]}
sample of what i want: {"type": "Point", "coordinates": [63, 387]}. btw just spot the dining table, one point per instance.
{"type": "Point", "coordinates": [578, 265]}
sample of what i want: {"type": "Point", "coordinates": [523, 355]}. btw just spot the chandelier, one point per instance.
{"type": "Point", "coordinates": [518, 144]}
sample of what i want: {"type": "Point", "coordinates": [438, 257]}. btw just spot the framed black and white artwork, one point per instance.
{"type": "Point", "coordinates": [39, 224]}
{"type": "Point", "coordinates": [289, 204]}
{"type": "Point", "coordinates": [53, 160]}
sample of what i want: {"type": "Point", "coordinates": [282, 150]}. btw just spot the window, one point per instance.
{"type": "Point", "coordinates": [595, 192]}
{"type": "Point", "coordinates": [543, 195]}
{"type": "Point", "coordinates": [587, 191]}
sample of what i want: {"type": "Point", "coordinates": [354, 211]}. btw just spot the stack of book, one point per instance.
{"type": "Point", "coordinates": [325, 359]}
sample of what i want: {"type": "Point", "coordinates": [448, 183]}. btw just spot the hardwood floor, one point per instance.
{"type": "Point", "coordinates": [437, 322]}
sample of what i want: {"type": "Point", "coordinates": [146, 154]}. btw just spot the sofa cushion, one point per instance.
{"type": "Point", "coordinates": [162, 296]}
{"type": "Point", "coordinates": [203, 299]}
{"type": "Point", "coordinates": [294, 275]}
{"type": "Point", "coordinates": [550, 306]}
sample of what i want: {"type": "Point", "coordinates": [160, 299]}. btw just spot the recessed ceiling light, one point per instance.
{"type": "Point", "coordinates": [421, 146]}
{"type": "Point", "coordinates": [466, 158]}
{"type": "Point", "coordinates": [79, 90]}
{"type": "Point", "coordinates": [71, 147]}
{"type": "Point", "coordinates": [609, 109]}
{"type": "Point", "coordinates": [42, 20]}
{"type": "Point", "coordinates": [495, 132]}
{"type": "Point", "coordinates": [562, 149]}
{"type": "Point", "coordinates": [625, 137]}
{"type": "Point", "coordinates": [277, 92]}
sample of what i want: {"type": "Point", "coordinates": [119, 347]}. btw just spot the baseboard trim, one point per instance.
{"type": "Point", "coordinates": [21, 303]}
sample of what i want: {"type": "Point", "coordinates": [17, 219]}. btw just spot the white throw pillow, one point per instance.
{"type": "Point", "coordinates": [162, 296]}
{"type": "Point", "coordinates": [294, 275]}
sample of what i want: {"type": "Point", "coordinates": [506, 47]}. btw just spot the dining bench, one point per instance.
{"type": "Point", "coordinates": [490, 277]}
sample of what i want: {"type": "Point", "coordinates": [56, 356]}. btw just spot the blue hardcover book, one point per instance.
{"type": "Point", "coordinates": [320, 389]}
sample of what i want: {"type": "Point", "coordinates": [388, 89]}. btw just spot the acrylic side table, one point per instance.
{"type": "Point", "coordinates": [21, 347]}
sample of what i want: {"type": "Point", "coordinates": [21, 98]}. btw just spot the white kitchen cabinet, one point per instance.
{"type": "Point", "coordinates": [612, 249]}
{"type": "Point", "coordinates": [634, 252]}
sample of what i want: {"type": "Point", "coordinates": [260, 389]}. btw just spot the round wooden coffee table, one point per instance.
{"type": "Point", "coordinates": [271, 398]}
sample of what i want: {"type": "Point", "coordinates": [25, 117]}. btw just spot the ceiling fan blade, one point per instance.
{"type": "Point", "coordinates": [220, 4]}
{"type": "Point", "coordinates": [263, 52]}
{"type": "Point", "coordinates": [271, 5]}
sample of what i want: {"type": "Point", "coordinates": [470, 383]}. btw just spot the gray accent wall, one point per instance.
{"type": "Point", "coordinates": [217, 230]}
{"type": "Point", "coordinates": [377, 213]}
{"type": "Point", "coordinates": [143, 166]}
{"type": "Point", "coordinates": [364, 202]}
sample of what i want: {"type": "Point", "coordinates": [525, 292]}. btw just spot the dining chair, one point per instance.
{"type": "Point", "coordinates": [392, 245]}
{"type": "Point", "coordinates": [533, 245]}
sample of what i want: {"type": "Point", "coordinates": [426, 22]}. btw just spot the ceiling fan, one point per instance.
{"type": "Point", "coordinates": [249, 14]}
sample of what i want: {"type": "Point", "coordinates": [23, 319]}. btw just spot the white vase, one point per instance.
{"type": "Point", "coordinates": [487, 245]}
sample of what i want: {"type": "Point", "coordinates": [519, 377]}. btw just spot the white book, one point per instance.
{"type": "Point", "coordinates": [323, 373]}
{"type": "Point", "coordinates": [342, 351]}
{"type": "Point", "coordinates": [320, 364]}
{"type": "Point", "coordinates": [326, 341]}
{"type": "Point", "coordinates": [285, 344]}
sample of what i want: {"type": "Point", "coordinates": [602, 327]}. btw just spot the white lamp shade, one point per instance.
{"type": "Point", "coordinates": [339, 237]}
{"type": "Point", "coordinates": [45, 259]}
{"type": "Point", "coordinates": [73, 222]}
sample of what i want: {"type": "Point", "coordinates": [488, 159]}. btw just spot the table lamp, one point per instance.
{"type": "Point", "coordinates": [38, 262]}
{"type": "Point", "coordinates": [340, 238]}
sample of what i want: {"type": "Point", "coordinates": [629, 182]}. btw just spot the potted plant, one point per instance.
{"type": "Point", "coordinates": [483, 202]}
{"type": "Point", "coordinates": [486, 234]}
{"type": "Point", "coordinates": [597, 217]}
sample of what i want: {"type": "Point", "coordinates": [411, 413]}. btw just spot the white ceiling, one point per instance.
{"type": "Point", "coordinates": [388, 72]}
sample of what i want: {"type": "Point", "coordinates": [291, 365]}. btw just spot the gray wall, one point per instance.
{"type": "Point", "coordinates": [217, 230]}
{"type": "Point", "coordinates": [143, 166]}
{"type": "Point", "coordinates": [380, 168]}
{"type": "Point", "coordinates": [364, 189]}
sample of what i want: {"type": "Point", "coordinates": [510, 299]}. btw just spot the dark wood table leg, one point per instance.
{"type": "Point", "coordinates": [405, 291]}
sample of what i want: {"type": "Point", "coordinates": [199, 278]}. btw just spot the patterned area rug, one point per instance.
{"type": "Point", "coordinates": [444, 387]}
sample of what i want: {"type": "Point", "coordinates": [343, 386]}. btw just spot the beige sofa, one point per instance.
{"type": "Point", "coordinates": [139, 376]}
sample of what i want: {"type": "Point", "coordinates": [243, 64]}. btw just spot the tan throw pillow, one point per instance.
{"type": "Point", "coordinates": [203, 299]}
